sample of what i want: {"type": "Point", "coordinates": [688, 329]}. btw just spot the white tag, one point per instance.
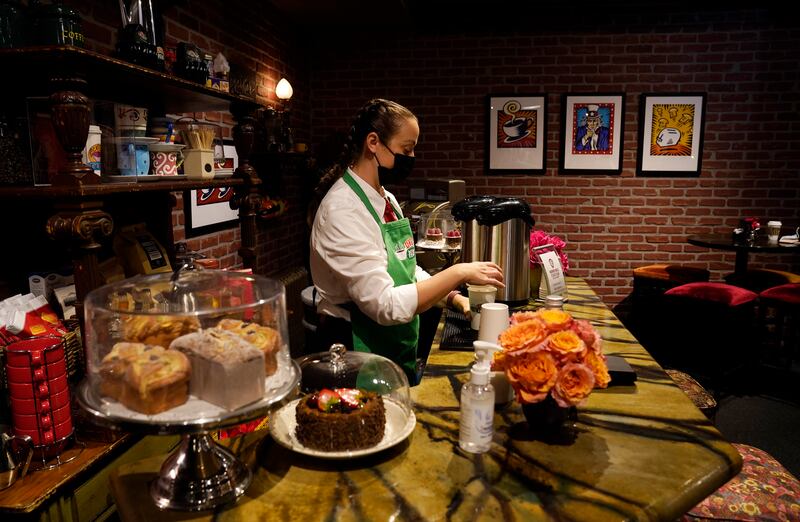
{"type": "Point", "coordinates": [552, 275]}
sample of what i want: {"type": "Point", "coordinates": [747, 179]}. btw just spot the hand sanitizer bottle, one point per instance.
{"type": "Point", "coordinates": [477, 411]}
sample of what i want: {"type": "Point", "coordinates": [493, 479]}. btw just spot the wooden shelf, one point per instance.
{"type": "Point", "coordinates": [30, 492]}
{"type": "Point", "coordinates": [107, 189]}
{"type": "Point", "coordinates": [110, 78]}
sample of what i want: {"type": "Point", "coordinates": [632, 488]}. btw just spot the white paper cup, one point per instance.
{"type": "Point", "coordinates": [503, 392]}
{"type": "Point", "coordinates": [774, 230]}
{"type": "Point", "coordinates": [479, 294]}
{"type": "Point", "coordinates": [494, 321]}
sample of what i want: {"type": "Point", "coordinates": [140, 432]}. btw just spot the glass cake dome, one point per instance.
{"type": "Point", "coordinates": [439, 231]}
{"type": "Point", "coordinates": [353, 404]}
{"type": "Point", "coordinates": [187, 347]}
{"type": "Point", "coordinates": [340, 368]}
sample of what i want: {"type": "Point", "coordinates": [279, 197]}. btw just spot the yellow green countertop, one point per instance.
{"type": "Point", "coordinates": [640, 452]}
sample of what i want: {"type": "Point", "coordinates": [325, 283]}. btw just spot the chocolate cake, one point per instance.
{"type": "Point", "coordinates": [340, 420]}
{"type": "Point", "coordinates": [453, 239]}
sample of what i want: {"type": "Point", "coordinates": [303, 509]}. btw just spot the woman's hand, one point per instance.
{"type": "Point", "coordinates": [461, 304]}
{"type": "Point", "coordinates": [482, 273]}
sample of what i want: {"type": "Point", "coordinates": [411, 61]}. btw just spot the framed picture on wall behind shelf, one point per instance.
{"type": "Point", "coordinates": [516, 133]}
{"type": "Point", "coordinates": [208, 210]}
{"type": "Point", "coordinates": [671, 128]}
{"type": "Point", "coordinates": [591, 133]}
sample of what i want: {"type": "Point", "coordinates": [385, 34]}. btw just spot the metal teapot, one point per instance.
{"type": "Point", "coordinates": [10, 468]}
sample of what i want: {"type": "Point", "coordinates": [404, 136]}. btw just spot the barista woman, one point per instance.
{"type": "Point", "coordinates": [362, 248]}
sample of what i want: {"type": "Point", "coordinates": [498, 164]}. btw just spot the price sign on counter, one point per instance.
{"type": "Point", "coordinates": [553, 282]}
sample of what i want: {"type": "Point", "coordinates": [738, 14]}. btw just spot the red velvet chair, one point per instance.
{"type": "Point", "coordinates": [649, 284]}
{"type": "Point", "coordinates": [780, 319]}
{"type": "Point", "coordinates": [707, 325]}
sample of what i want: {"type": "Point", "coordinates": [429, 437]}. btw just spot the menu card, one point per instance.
{"type": "Point", "coordinates": [553, 282]}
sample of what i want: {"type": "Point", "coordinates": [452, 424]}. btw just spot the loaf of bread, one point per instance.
{"type": "Point", "coordinates": [160, 330]}
{"type": "Point", "coordinates": [226, 370]}
{"type": "Point", "coordinates": [145, 378]}
{"type": "Point", "coordinates": [266, 339]}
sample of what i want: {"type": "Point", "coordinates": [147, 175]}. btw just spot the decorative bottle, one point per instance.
{"type": "Point", "coordinates": [477, 411]}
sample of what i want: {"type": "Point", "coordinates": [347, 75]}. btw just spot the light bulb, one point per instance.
{"type": "Point", "coordinates": [284, 89]}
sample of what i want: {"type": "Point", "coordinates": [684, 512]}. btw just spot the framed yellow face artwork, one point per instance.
{"type": "Point", "coordinates": [671, 134]}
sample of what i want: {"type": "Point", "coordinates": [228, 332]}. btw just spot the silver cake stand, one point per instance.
{"type": "Point", "coordinates": [200, 474]}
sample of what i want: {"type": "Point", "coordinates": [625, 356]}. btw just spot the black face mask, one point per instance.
{"type": "Point", "coordinates": [403, 165]}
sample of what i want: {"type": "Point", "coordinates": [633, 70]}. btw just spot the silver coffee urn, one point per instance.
{"type": "Point", "coordinates": [498, 229]}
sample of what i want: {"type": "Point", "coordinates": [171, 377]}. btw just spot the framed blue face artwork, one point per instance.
{"type": "Point", "coordinates": [592, 133]}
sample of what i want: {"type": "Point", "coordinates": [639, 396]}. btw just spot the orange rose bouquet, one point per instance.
{"type": "Point", "coordinates": [548, 352]}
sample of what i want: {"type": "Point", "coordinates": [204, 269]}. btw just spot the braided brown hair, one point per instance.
{"type": "Point", "coordinates": [384, 117]}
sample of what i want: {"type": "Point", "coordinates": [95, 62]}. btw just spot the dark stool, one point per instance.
{"type": "Point", "coordinates": [649, 284]}
{"type": "Point", "coordinates": [709, 325]}
{"type": "Point", "coordinates": [763, 490]}
{"type": "Point", "coordinates": [759, 279]}
{"type": "Point", "coordinates": [779, 314]}
{"type": "Point", "coordinates": [699, 396]}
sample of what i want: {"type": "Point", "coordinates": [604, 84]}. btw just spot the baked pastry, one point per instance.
{"type": "Point", "coordinates": [453, 239]}
{"type": "Point", "coordinates": [226, 370]}
{"type": "Point", "coordinates": [266, 339]}
{"type": "Point", "coordinates": [157, 329]}
{"type": "Point", "coordinates": [145, 378]}
{"type": "Point", "coordinates": [433, 234]}
{"type": "Point", "coordinates": [341, 419]}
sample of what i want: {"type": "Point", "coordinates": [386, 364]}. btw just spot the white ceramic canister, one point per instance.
{"type": "Point", "coordinates": [92, 155]}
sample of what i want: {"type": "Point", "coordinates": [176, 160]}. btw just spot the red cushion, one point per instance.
{"type": "Point", "coordinates": [721, 293]}
{"type": "Point", "coordinates": [763, 490]}
{"type": "Point", "coordinates": [788, 293]}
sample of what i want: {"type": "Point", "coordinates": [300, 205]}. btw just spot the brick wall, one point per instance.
{"type": "Point", "coordinates": [250, 34]}
{"type": "Point", "coordinates": [747, 62]}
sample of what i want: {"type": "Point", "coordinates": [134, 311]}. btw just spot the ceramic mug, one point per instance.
{"type": "Point", "coordinates": [49, 371]}
{"type": "Point", "coordinates": [41, 390]}
{"type": "Point", "coordinates": [34, 352]}
{"type": "Point", "coordinates": [133, 159]}
{"type": "Point", "coordinates": [33, 406]}
{"type": "Point", "coordinates": [164, 163]}
{"type": "Point", "coordinates": [130, 121]}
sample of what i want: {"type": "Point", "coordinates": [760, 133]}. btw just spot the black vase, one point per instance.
{"type": "Point", "coordinates": [548, 418]}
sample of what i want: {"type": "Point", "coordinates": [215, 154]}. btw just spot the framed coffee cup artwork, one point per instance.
{"type": "Point", "coordinates": [591, 133]}
{"type": "Point", "coordinates": [671, 134]}
{"type": "Point", "coordinates": [516, 133]}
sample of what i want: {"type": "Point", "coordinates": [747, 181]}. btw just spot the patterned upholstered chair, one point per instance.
{"type": "Point", "coordinates": [779, 314]}
{"type": "Point", "coordinates": [705, 320]}
{"type": "Point", "coordinates": [763, 491]}
{"type": "Point", "coordinates": [699, 396]}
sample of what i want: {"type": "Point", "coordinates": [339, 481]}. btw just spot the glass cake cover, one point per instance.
{"type": "Point", "coordinates": [439, 230]}
{"type": "Point", "coordinates": [199, 344]}
{"type": "Point", "coordinates": [340, 368]}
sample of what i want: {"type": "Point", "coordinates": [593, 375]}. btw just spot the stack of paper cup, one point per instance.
{"type": "Point", "coordinates": [479, 294]}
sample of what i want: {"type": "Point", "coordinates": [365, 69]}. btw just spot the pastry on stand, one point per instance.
{"type": "Point", "coordinates": [209, 351]}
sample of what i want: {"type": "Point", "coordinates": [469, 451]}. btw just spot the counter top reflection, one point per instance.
{"type": "Point", "coordinates": [640, 452]}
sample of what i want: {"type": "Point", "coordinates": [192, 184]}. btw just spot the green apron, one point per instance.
{"type": "Point", "coordinates": [396, 342]}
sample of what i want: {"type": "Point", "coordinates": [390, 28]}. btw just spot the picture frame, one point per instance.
{"type": "Point", "coordinates": [516, 133]}
{"type": "Point", "coordinates": [208, 210]}
{"type": "Point", "coordinates": [671, 132]}
{"type": "Point", "coordinates": [592, 131]}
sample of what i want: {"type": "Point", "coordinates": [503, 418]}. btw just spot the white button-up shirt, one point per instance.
{"type": "Point", "coordinates": [349, 260]}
